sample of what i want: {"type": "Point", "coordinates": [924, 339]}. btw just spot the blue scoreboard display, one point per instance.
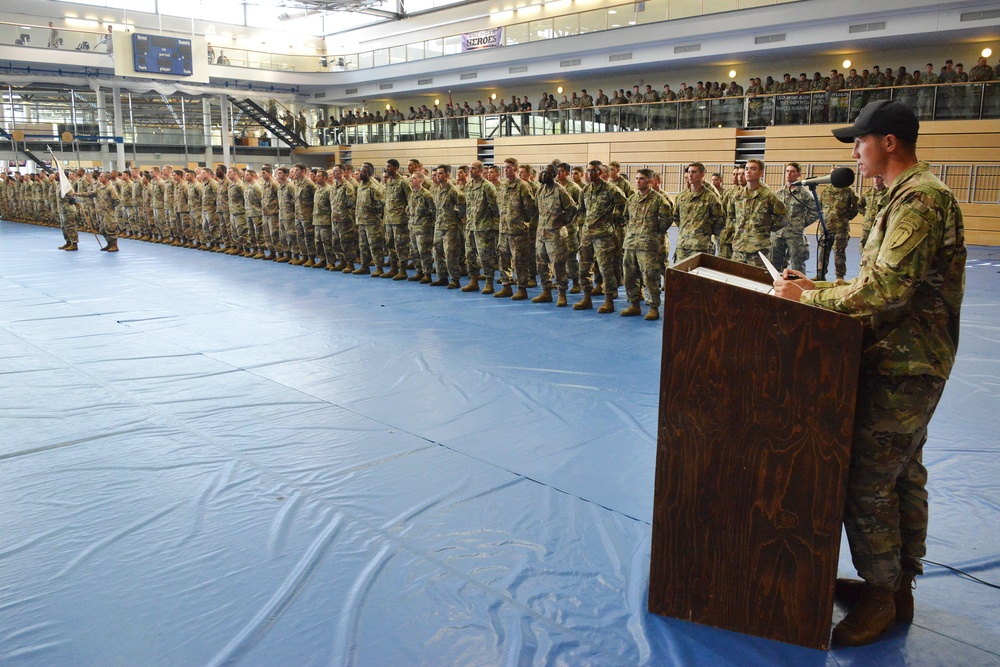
{"type": "Point", "coordinates": [159, 54]}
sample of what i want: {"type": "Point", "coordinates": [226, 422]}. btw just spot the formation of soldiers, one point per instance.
{"type": "Point", "coordinates": [571, 230]}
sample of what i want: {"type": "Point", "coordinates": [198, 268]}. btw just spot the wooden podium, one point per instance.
{"type": "Point", "coordinates": [757, 398]}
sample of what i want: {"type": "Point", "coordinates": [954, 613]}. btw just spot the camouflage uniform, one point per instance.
{"type": "Point", "coordinates": [69, 217]}
{"type": "Point", "coordinates": [159, 212]}
{"type": "Point", "coordinates": [573, 236]}
{"type": "Point", "coordinates": [698, 215]}
{"type": "Point", "coordinates": [255, 215]}
{"type": "Point", "coordinates": [305, 191]}
{"type": "Point", "coordinates": [517, 208]}
{"type": "Point", "coordinates": [322, 224]}
{"type": "Point", "coordinates": [107, 198]}
{"type": "Point", "coordinates": [397, 233]}
{"type": "Point", "coordinates": [450, 209]}
{"type": "Point", "coordinates": [729, 230]}
{"type": "Point", "coordinates": [238, 213]}
{"type": "Point", "coordinates": [269, 211]}
{"type": "Point", "coordinates": [872, 202]}
{"type": "Point", "coordinates": [648, 216]}
{"type": "Point", "coordinates": [369, 211]}
{"type": "Point", "coordinates": [556, 210]}
{"type": "Point", "coordinates": [196, 192]}
{"type": "Point", "coordinates": [789, 246]}
{"type": "Point", "coordinates": [210, 211]}
{"type": "Point", "coordinates": [126, 209]}
{"type": "Point", "coordinates": [421, 212]}
{"type": "Point", "coordinates": [222, 208]}
{"type": "Point", "coordinates": [908, 294]}
{"type": "Point", "coordinates": [168, 207]}
{"type": "Point", "coordinates": [840, 205]}
{"type": "Point", "coordinates": [601, 205]}
{"type": "Point", "coordinates": [343, 205]}
{"type": "Point", "coordinates": [286, 218]}
{"type": "Point", "coordinates": [759, 213]}
{"type": "Point", "coordinates": [182, 209]}
{"type": "Point", "coordinates": [483, 220]}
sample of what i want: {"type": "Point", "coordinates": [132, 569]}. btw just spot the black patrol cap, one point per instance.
{"type": "Point", "coordinates": [882, 117]}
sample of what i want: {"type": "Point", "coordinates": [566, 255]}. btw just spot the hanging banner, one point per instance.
{"type": "Point", "coordinates": [482, 39]}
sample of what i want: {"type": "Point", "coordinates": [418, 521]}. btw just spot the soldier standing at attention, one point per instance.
{"type": "Point", "coordinates": [556, 210]}
{"type": "Point", "coordinates": [872, 202]}
{"type": "Point", "coordinates": [421, 212]}
{"type": "Point", "coordinates": [572, 230]}
{"type": "Point", "coordinates": [107, 198]}
{"type": "Point", "coordinates": [369, 211]}
{"type": "Point", "coordinates": [789, 246]}
{"type": "Point", "coordinates": [759, 213]}
{"type": "Point", "coordinates": [322, 222]}
{"type": "Point", "coordinates": [305, 194]}
{"type": "Point", "coordinates": [648, 216]}
{"type": "Point", "coordinates": [483, 220]}
{"type": "Point", "coordinates": [909, 295]}
{"type": "Point", "coordinates": [397, 233]}
{"type": "Point", "coordinates": [269, 211]}
{"type": "Point", "coordinates": [238, 214]}
{"type": "Point", "coordinates": [601, 204]}
{"type": "Point", "coordinates": [517, 208]}
{"type": "Point", "coordinates": [728, 207]}
{"type": "Point", "coordinates": [698, 216]}
{"type": "Point", "coordinates": [840, 206]}
{"type": "Point", "coordinates": [286, 216]}
{"type": "Point", "coordinates": [449, 205]}
{"type": "Point", "coordinates": [343, 205]}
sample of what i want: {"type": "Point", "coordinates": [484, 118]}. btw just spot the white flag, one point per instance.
{"type": "Point", "coordinates": [64, 186]}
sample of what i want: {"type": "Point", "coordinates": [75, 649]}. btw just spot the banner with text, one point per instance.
{"type": "Point", "coordinates": [482, 39]}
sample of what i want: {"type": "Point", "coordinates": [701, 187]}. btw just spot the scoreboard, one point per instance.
{"type": "Point", "coordinates": [159, 54]}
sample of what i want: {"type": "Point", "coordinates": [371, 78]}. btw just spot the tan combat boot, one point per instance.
{"type": "Point", "coordinates": [848, 591]}
{"type": "Point", "coordinates": [401, 274]}
{"type": "Point", "coordinates": [561, 300]}
{"type": "Point", "coordinates": [489, 287]}
{"type": "Point", "coordinates": [608, 306]}
{"type": "Point", "coordinates": [653, 314]}
{"type": "Point", "coordinates": [505, 291]}
{"type": "Point", "coordinates": [544, 297]}
{"type": "Point", "coordinates": [874, 613]}
{"type": "Point", "coordinates": [585, 303]}
{"type": "Point", "coordinates": [416, 277]}
{"type": "Point", "coordinates": [576, 287]}
{"type": "Point", "coordinates": [473, 285]}
{"type": "Point", "coordinates": [520, 295]}
{"type": "Point", "coordinates": [71, 247]}
{"type": "Point", "coordinates": [632, 310]}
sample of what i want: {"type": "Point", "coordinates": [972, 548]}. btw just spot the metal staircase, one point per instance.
{"type": "Point", "coordinates": [269, 122]}
{"type": "Point", "coordinates": [24, 150]}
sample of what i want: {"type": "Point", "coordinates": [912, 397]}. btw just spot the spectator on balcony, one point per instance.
{"type": "Point", "coordinates": [54, 40]}
{"type": "Point", "coordinates": [223, 60]}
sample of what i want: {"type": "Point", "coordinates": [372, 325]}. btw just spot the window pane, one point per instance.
{"type": "Point", "coordinates": [453, 44]}
{"type": "Point", "coordinates": [415, 51]}
{"type": "Point", "coordinates": [539, 30]}
{"type": "Point", "coordinates": [593, 21]}
{"type": "Point", "coordinates": [397, 54]}
{"type": "Point", "coordinates": [680, 9]}
{"type": "Point", "coordinates": [435, 48]}
{"type": "Point", "coordinates": [381, 57]}
{"type": "Point", "coordinates": [365, 60]}
{"type": "Point", "coordinates": [566, 25]}
{"type": "Point", "coordinates": [516, 34]}
{"type": "Point", "coordinates": [652, 11]}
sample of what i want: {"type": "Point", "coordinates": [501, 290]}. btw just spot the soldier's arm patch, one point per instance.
{"type": "Point", "coordinates": [902, 240]}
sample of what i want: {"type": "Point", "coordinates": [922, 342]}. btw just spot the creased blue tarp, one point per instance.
{"type": "Point", "coordinates": [212, 460]}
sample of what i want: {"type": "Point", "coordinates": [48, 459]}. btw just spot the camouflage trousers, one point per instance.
{"type": "Point", "coordinates": [306, 236]}
{"type": "Point", "coordinates": [239, 229]}
{"type": "Point", "coordinates": [448, 252]}
{"type": "Point", "coordinates": [751, 258]}
{"type": "Point", "coordinates": [642, 267]}
{"type": "Point", "coordinates": [603, 250]}
{"type": "Point", "coordinates": [210, 226]}
{"type": "Point", "coordinates": [255, 231]}
{"type": "Point", "coordinates": [472, 261]}
{"type": "Point", "coordinates": [485, 242]}
{"type": "Point", "coordinates": [885, 514]}
{"type": "Point", "coordinates": [108, 226]}
{"type": "Point", "coordinates": [789, 252]}
{"type": "Point", "coordinates": [840, 253]}
{"type": "Point", "coordinates": [225, 228]}
{"type": "Point", "coordinates": [515, 251]}
{"type": "Point", "coordinates": [550, 258]}
{"type": "Point", "coordinates": [397, 241]}
{"type": "Point", "coordinates": [324, 243]}
{"type": "Point", "coordinates": [160, 222]}
{"type": "Point", "coordinates": [286, 234]}
{"type": "Point", "coordinates": [272, 231]}
{"type": "Point", "coordinates": [345, 241]}
{"type": "Point", "coordinates": [422, 247]}
{"type": "Point", "coordinates": [684, 251]}
{"type": "Point", "coordinates": [70, 220]}
{"type": "Point", "coordinates": [572, 251]}
{"type": "Point", "coordinates": [371, 245]}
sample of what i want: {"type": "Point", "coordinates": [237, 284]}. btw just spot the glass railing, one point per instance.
{"type": "Point", "coordinates": [937, 102]}
{"type": "Point", "coordinates": [44, 37]}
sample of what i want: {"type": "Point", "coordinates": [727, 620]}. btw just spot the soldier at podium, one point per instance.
{"type": "Point", "coordinates": [909, 294]}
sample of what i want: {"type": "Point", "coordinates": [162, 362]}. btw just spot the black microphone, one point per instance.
{"type": "Point", "coordinates": [838, 178]}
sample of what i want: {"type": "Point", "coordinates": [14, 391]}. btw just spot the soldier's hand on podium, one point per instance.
{"type": "Point", "coordinates": [792, 284]}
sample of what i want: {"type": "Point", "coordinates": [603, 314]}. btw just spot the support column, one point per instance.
{"type": "Point", "coordinates": [227, 131]}
{"type": "Point", "coordinates": [103, 129]}
{"type": "Point", "coordinates": [206, 122]}
{"type": "Point", "coordinates": [116, 91]}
